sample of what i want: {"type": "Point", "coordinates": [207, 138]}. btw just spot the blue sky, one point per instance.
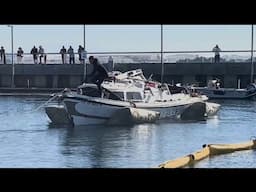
{"type": "Point", "coordinates": [128, 37]}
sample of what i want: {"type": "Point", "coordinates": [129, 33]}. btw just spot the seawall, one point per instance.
{"type": "Point", "coordinates": [72, 75]}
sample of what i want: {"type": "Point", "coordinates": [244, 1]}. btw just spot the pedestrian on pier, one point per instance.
{"type": "Point", "coordinates": [71, 55]}
{"type": "Point", "coordinates": [217, 50]}
{"type": "Point", "coordinates": [34, 52]}
{"type": "Point", "coordinates": [2, 55]}
{"type": "Point", "coordinates": [110, 63]}
{"type": "Point", "coordinates": [81, 54]}
{"type": "Point", "coordinates": [63, 53]}
{"type": "Point", "coordinates": [42, 55]}
{"type": "Point", "coordinates": [20, 53]}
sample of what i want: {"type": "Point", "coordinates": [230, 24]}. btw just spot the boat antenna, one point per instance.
{"type": "Point", "coordinates": [252, 66]}
{"type": "Point", "coordinates": [162, 63]}
{"type": "Point", "coordinates": [150, 77]}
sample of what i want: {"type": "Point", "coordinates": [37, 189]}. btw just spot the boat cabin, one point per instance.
{"type": "Point", "coordinates": [122, 94]}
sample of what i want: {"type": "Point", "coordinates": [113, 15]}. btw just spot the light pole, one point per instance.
{"type": "Point", "coordinates": [84, 57]}
{"type": "Point", "coordinates": [252, 66]}
{"type": "Point", "coordinates": [162, 63]}
{"type": "Point", "coordinates": [84, 36]}
{"type": "Point", "coordinates": [11, 26]}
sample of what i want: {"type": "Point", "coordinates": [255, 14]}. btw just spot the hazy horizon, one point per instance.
{"type": "Point", "coordinates": [112, 38]}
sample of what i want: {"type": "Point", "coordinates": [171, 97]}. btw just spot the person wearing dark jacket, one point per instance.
{"type": "Point", "coordinates": [63, 53]}
{"type": "Point", "coordinates": [2, 54]}
{"type": "Point", "coordinates": [34, 52]}
{"type": "Point", "coordinates": [99, 72]}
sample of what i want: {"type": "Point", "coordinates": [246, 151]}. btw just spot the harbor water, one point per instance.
{"type": "Point", "coordinates": [29, 140]}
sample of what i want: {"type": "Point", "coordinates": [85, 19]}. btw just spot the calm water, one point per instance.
{"type": "Point", "coordinates": [28, 140]}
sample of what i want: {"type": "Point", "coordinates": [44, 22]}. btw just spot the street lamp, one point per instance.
{"type": "Point", "coordinates": [84, 55]}
{"type": "Point", "coordinates": [252, 66]}
{"type": "Point", "coordinates": [162, 61]}
{"type": "Point", "coordinates": [11, 26]}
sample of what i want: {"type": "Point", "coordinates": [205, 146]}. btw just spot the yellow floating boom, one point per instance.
{"type": "Point", "coordinates": [177, 163]}
{"type": "Point", "coordinates": [202, 154]}
{"type": "Point", "coordinates": [208, 150]}
{"type": "Point", "coordinates": [217, 149]}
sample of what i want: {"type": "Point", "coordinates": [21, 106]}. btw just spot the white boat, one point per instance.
{"type": "Point", "coordinates": [58, 114]}
{"type": "Point", "coordinates": [214, 91]}
{"type": "Point", "coordinates": [129, 90]}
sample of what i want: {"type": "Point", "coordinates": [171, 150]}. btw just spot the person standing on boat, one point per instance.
{"type": "Point", "coordinates": [99, 72]}
{"type": "Point", "coordinates": [217, 50]}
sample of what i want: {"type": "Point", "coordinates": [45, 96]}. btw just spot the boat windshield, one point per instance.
{"type": "Point", "coordinates": [133, 96]}
{"type": "Point", "coordinates": [119, 96]}
{"type": "Point", "coordinates": [116, 96]}
{"type": "Point", "coordinates": [89, 91]}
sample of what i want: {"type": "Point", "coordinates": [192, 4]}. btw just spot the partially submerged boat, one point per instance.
{"type": "Point", "coordinates": [129, 90]}
{"type": "Point", "coordinates": [129, 98]}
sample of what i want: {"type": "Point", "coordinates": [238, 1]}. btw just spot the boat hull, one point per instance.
{"type": "Point", "coordinates": [58, 114]}
{"type": "Point", "coordinates": [85, 110]}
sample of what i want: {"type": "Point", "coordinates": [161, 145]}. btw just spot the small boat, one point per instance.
{"type": "Point", "coordinates": [214, 91]}
{"type": "Point", "coordinates": [129, 98]}
{"type": "Point", "coordinates": [130, 90]}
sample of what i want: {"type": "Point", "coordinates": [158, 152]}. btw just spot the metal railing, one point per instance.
{"type": "Point", "coordinates": [136, 57]}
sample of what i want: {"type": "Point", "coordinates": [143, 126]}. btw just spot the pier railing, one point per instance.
{"type": "Point", "coordinates": [142, 57]}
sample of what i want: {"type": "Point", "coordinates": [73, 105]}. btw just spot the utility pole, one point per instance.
{"type": "Point", "coordinates": [252, 65]}
{"type": "Point", "coordinates": [13, 69]}
{"type": "Point", "coordinates": [84, 57]}
{"type": "Point", "coordinates": [84, 36]}
{"type": "Point", "coordinates": [162, 71]}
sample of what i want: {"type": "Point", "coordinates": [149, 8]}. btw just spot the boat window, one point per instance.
{"type": "Point", "coordinates": [219, 92]}
{"type": "Point", "coordinates": [251, 86]}
{"type": "Point", "coordinates": [91, 91]}
{"type": "Point", "coordinates": [116, 95]}
{"type": "Point", "coordinates": [133, 96]}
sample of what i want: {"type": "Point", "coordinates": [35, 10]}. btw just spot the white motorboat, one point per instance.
{"type": "Point", "coordinates": [214, 91]}
{"type": "Point", "coordinates": [130, 90]}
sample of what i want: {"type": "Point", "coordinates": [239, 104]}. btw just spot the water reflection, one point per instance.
{"type": "Point", "coordinates": [106, 146]}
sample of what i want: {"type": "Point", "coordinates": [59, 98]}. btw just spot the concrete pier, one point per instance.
{"type": "Point", "coordinates": [71, 75]}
